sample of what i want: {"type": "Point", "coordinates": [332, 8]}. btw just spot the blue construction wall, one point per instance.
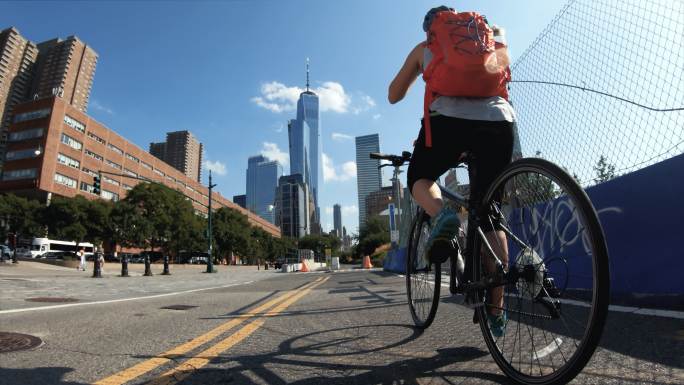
{"type": "Point", "coordinates": [642, 214]}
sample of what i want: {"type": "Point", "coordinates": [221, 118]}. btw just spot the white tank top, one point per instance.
{"type": "Point", "coordinates": [493, 109]}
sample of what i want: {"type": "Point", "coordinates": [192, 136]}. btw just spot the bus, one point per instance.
{"type": "Point", "coordinates": [40, 246]}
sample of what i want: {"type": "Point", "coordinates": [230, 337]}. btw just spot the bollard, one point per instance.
{"type": "Point", "coordinates": [124, 266]}
{"type": "Point", "coordinates": [14, 256]}
{"type": "Point", "coordinates": [148, 271]}
{"type": "Point", "coordinates": [97, 271]}
{"type": "Point", "coordinates": [166, 266]}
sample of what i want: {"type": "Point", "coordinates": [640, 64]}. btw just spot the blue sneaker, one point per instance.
{"type": "Point", "coordinates": [440, 243]}
{"type": "Point", "coordinates": [497, 323]}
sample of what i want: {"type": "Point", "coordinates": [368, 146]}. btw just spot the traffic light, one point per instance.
{"type": "Point", "coordinates": [96, 185]}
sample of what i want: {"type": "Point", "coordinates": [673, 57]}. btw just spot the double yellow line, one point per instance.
{"type": "Point", "coordinates": [186, 368]}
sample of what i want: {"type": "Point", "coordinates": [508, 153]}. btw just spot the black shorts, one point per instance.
{"type": "Point", "coordinates": [490, 143]}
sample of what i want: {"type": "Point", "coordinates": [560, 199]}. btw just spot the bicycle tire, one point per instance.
{"type": "Point", "coordinates": [419, 276]}
{"type": "Point", "coordinates": [512, 183]}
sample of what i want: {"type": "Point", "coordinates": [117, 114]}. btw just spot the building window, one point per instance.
{"type": "Point", "coordinates": [131, 173]}
{"type": "Point", "coordinates": [113, 164]}
{"type": "Point", "coordinates": [86, 187]}
{"type": "Point", "coordinates": [96, 138]}
{"type": "Point", "coordinates": [22, 154]}
{"type": "Point", "coordinates": [159, 172]}
{"type": "Point", "coordinates": [110, 195]}
{"type": "Point", "coordinates": [65, 180]}
{"type": "Point", "coordinates": [27, 173]}
{"type": "Point", "coordinates": [127, 187]}
{"type": "Point", "coordinates": [172, 179]}
{"type": "Point", "coordinates": [146, 165]}
{"type": "Point", "coordinates": [133, 158]}
{"type": "Point", "coordinates": [115, 149]}
{"type": "Point", "coordinates": [89, 171]}
{"type": "Point", "coordinates": [94, 155]}
{"type": "Point", "coordinates": [38, 114]}
{"type": "Point", "coordinates": [110, 180]}
{"type": "Point", "coordinates": [71, 142]}
{"type": "Point", "coordinates": [190, 188]}
{"type": "Point", "coordinates": [75, 124]}
{"type": "Point", "coordinates": [25, 134]}
{"type": "Point", "coordinates": [71, 162]}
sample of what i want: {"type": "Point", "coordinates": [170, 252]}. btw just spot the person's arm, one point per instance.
{"type": "Point", "coordinates": [408, 73]}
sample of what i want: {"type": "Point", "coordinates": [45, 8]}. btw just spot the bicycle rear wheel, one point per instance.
{"type": "Point", "coordinates": [555, 240]}
{"type": "Point", "coordinates": [422, 277]}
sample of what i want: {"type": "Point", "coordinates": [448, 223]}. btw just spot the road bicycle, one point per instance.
{"type": "Point", "coordinates": [556, 281]}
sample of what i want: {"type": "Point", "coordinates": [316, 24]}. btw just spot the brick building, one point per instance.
{"type": "Point", "coordinates": [55, 149]}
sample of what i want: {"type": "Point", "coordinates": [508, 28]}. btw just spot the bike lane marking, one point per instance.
{"type": "Point", "coordinates": [182, 371]}
{"type": "Point", "coordinates": [143, 367]}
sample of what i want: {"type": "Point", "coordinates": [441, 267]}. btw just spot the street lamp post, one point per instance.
{"type": "Point", "coordinates": [210, 263]}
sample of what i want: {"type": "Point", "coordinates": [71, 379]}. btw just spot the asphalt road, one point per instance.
{"type": "Point", "coordinates": [304, 328]}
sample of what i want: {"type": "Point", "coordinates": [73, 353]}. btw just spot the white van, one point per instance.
{"type": "Point", "coordinates": [40, 246]}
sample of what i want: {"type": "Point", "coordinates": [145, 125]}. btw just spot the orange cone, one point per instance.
{"type": "Point", "coordinates": [367, 263]}
{"type": "Point", "coordinates": [304, 269]}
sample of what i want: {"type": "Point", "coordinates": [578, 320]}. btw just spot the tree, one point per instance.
{"type": "Point", "coordinates": [374, 233]}
{"type": "Point", "coordinates": [230, 232]}
{"type": "Point", "coordinates": [20, 216]}
{"type": "Point", "coordinates": [67, 218]}
{"type": "Point", "coordinates": [604, 170]}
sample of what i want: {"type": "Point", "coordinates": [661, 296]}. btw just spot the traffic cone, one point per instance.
{"type": "Point", "coordinates": [304, 269]}
{"type": "Point", "coordinates": [367, 262]}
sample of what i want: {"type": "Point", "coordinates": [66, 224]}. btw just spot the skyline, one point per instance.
{"type": "Point", "coordinates": [145, 86]}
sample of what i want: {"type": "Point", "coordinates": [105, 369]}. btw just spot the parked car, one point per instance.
{"type": "Point", "coordinates": [136, 258]}
{"type": "Point", "coordinates": [5, 252]}
{"type": "Point", "coordinates": [58, 255]}
{"type": "Point", "coordinates": [23, 252]}
{"type": "Point", "coordinates": [199, 260]}
{"type": "Point", "coordinates": [109, 257]}
{"type": "Point", "coordinates": [155, 256]}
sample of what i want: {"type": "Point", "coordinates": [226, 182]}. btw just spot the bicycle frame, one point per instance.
{"type": "Point", "coordinates": [475, 241]}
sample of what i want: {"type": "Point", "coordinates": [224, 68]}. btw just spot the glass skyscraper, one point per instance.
{"type": "Point", "coordinates": [305, 142]}
{"type": "Point", "coordinates": [262, 180]}
{"type": "Point", "coordinates": [367, 173]}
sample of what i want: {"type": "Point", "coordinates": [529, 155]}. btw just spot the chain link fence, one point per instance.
{"type": "Point", "coordinates": [601, 90]}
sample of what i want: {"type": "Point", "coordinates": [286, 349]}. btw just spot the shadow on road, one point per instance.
{"type": "Point", "coordinates": [36, 376]}
{"type": "Point", "coordinates": [345, 352]}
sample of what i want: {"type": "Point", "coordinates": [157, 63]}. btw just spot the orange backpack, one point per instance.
{"type": "Point", "coordinates": [464, 61]}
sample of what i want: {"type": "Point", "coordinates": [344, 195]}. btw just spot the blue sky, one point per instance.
{"type": "Point", "coordinates": [228, 71]}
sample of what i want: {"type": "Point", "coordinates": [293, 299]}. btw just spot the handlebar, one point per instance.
{"type": "Point", "coordinates": [395, 160]}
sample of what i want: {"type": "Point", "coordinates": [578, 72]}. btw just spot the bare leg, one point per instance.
{"type": "Point", "coordinates": [497, 240]}
{"type": "Point", "coordinates": [428, 196]}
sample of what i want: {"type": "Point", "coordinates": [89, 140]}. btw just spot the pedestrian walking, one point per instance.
{"type": "Point", "coordinates": [101, 259]}
{"type": "Point", "coordinates": [81, 254]}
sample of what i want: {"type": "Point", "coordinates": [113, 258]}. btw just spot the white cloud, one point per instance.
{"type": "Point", "coordinates": [376, 116]}
{"type": "Point", "coordinates": [216, 167]}
{"type": "Point", "coordinates": [277, 97]}
{"type": "Point", "coordinates": [341, 137]}
{"type": "Point", "coordinates": [330, 171]}
{"type": "Point", "coordinates": [99, 107]}
{"type": "Point", "coordinates": [272, 152]}
{"type": "Point", "coordinates": [329, 210]}
{"type": "Point", "coordinates": [350, 210]}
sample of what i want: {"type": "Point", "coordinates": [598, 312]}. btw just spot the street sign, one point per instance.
{"type": "Point", "coordinates": [394, 236]}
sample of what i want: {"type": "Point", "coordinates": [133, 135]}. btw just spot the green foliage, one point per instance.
{"type": "Point", "coordinates": [319, 242]}
{"type": "Point", "coordinates": [230, 232]}
{"type": "Point", "coordinates": [604, 170]}
{"type": "Point", "coordinates": [374, 233]}
{"type": "Point", "coordinates": [66, 218]}
{"type": "Point", "coordinates": [20, 216]}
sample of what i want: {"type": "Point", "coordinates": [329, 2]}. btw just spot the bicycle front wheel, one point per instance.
{"type": "Point", "coordinates": [422, 277]}
{"type": "Point", "coordinates": [557, 306]}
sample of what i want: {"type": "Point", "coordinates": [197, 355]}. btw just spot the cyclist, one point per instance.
{"type": "Point", "coordinates": [482, 127]}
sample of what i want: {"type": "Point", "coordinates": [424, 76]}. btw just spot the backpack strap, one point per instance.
{"type": "Point", "coordinates": [429, 97]}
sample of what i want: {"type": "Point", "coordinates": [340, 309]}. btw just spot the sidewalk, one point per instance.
{"type": "Point", "coordinates": [33, 279]}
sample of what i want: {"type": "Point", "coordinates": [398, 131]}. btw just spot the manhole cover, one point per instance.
{"type": "Point", "coordinates": [11, 342]}
{"type": "Point", "coordinates": [51, 299]}
{"type": "Point", "coordinates": [178, 307]}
